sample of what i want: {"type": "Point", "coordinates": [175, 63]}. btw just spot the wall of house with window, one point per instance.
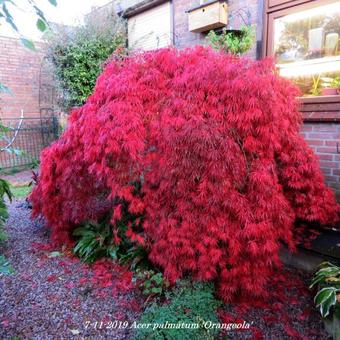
{"type": "Point", "coordinates": [302, 35]}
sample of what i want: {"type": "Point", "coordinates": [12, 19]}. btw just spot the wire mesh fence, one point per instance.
{"type": "Point", "coordinates": [30, 136]}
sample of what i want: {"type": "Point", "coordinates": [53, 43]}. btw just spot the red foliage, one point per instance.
{"type": "Point", "coordinates": [214, 141]}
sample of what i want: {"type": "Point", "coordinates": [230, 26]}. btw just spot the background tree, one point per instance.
{"type": "Point", "coordinates": [78, 53]}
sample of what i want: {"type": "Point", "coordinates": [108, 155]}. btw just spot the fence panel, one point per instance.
{"type": "Point", "coordinates": [30, 136]}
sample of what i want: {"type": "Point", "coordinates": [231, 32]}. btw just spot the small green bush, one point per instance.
{"type": "Point", "coordinates": [96, 239]}
{"type": "Point", "coordinates": [78, 53]}
{"type": "Point", "coordinates": [336, 83]}
{"type": "Point", "coordinates": [150, 282]}
{"type": "Point", "coordinates": [327, 278]}
{"type": "Point", "coordinates": [235, 42]}
{"type": "Point", "coordinates": [189, 305]}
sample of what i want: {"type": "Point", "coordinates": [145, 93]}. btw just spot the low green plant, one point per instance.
{"type": "Point", "coordinates": [235, 42]}
{"type": "Point", "coordinates": [4, 191]}
{"type": "Point", "coordinates": [327, 278]}
{"type": "Point", "coordinates": [97, 239]}
{"type": "Point", "coordinates": [189, 305]}
{"type": "Point", "coordinates": [94, 241]}
{"type": "Point", "coordinates": [151, 282]}
{"type": "Point", "coordinates": [336, 83]}
{"type": "Point", "coordinates": [20, 191]}
{"type": "Point", "coordinates": [5, 267]}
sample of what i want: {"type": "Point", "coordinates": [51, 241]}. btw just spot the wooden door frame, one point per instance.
{"type": "Point", "coordinates": [278, 8]}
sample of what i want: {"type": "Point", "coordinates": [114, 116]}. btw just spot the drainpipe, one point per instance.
{"type": "Point", "coordinates": [172, 14]}
{"type": "Point", "coordinates": [259, 29]}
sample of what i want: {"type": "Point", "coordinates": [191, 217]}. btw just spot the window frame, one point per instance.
{"type": "Point", "coordinates": [317, 108]}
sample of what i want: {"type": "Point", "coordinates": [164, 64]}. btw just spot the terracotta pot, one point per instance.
{"type": "Point", "coordinates": [329, 91]}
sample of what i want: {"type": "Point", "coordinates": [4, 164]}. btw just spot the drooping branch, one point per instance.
{"type": "Point", "coordinates": [16, 132]}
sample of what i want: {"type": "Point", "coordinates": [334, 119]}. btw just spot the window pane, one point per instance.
{"type": "Point", "coordinates": [306, 47]}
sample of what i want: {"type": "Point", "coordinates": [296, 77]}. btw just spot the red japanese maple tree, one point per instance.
{"type": "Point", "coordinates": [214, 142]}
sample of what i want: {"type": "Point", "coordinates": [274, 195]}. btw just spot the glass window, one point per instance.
{"type": "Point", "coordinates": [306, 47]}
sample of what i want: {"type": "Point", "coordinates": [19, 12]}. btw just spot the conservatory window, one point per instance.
{"type": "Point", "coordinates": [305, 43]}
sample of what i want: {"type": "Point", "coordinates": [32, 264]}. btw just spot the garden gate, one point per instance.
{"type": "Point", "coordinates": [26, 138]}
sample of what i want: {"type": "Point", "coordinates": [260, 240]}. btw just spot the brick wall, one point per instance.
{"type": "Point", "coordinates": [29, 77]}
{"type": "Point", "coordinates": [323, 139]}
{"type": "Point", "coordinates": [20, 71]}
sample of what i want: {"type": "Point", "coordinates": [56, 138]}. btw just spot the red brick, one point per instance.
{"type": "Point", "coordinates": [327, 164]}
{"type": "Point", "coordinates": [325, 149]}
{"type": "Point", "coordinates": [306, 128]}
{"type": "Point", "coordinates": [315, 142]}
{"type": "Point", "coordinates": [320, 135]}
{"type": "Point", "coordinates": [325, 157]}
{"type": "Point", "coordinates": [326, 171]}
{"type": "Point", "coordinates": [325, 127]}
{"type": "Point", "coordinates": [332, 142]}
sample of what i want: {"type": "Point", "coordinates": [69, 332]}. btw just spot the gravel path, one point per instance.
{"type": "Point", "coordinates": [54, 297]}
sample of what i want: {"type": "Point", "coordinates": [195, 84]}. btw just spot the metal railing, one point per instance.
{"type": "Point", "coordinates": [30, 136]}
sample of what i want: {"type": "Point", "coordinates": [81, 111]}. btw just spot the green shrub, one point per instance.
{"type": "Point", "coordinates": [78, 53]}
{"type": "Point", "coordinates": [94, 242]}
{"type": "Point", "coordinates": [235, 42]}
{"type": "Point", "coordinates": [100, 239]}
{"type": "Point", "coordinates": [150, 282]}
{"type": "Point", "coordinates": [328, 280]}
{"type": "Point", "coordinates": [336, 83]}
{"type": "Point", "coordinates": [4, 191]}
{"type": "Point", "coordinates": [189, 304]}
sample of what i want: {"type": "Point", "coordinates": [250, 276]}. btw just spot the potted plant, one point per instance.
{"type": "Point", "coordinates": [233, 41]}
{"type": "Point", "coordinates": [327, 299]}
{"type": "Point", "coordinates": [331, 87]}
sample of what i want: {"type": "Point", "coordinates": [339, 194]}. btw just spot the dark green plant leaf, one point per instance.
{"type": "Point", "coordinates": [156, 290]}
{"type": "Point", "coordinates": [28, 44]}
{"type": "Point", "coordinates": [327, 304]}
{"type": "Point", "coordinates": [323, 295]}
{"type": "Point", "coordinates": [5, 267]}
{"type": "Point", "coordinates": [41, 25]}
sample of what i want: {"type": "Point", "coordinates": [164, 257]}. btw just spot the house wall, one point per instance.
{"type": "Point", "coordinates": [20, 70]}
{"type": "Point", "coordinates": [237, 10]}
{"type": "Point", "coordinates": [324, 139]}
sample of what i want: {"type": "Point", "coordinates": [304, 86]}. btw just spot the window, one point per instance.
{"type": "Point", "coordinates": [304, 40]}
